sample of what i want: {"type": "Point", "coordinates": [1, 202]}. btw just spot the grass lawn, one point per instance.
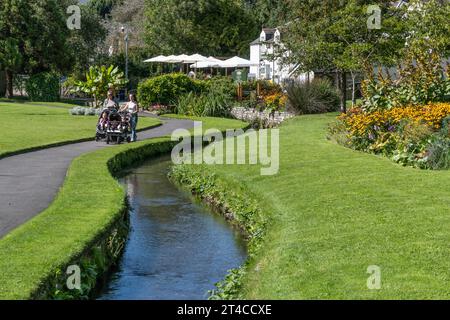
{"type": "Point", "coordinates": [30, 125]}
{"type": "Point", "coordinates": [88, 202]}
{"type": "Point", "coordinates": [334, 212]}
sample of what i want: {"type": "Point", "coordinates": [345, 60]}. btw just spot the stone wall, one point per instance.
{"type": "Point", "coordinates": [251, 115]}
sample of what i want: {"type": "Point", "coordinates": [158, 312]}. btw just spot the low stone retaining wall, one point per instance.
{"type": "Point", "coordinates": [250, 115]}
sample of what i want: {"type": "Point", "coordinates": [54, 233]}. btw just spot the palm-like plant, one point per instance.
{"type": "Point", "coordinates": [99, 79]}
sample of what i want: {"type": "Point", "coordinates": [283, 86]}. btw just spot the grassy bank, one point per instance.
{"type": "Point", "coordinates": [334, 212]}
{"type": "Point", "coordinates": [86, 207]}
{"type": "Point", "coordinates": [32, 125]}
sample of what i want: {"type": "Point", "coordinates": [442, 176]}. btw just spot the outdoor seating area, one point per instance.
{"type": "Point", "coordinates": [190, 63]}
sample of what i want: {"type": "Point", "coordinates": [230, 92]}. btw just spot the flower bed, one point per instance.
{"type": "Point", "coordinates": [417, 136]}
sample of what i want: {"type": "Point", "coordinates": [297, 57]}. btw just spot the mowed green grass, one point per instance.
{"type": "Point", "coordinates": [86, 205]}
{"type": "Point", "coordinates": [334, 212]}
{"type": "Point", "coordinates": [31, 125]}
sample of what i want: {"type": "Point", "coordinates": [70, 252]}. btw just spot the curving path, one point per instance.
{"type": "Point", "coordinates": [29, 182]}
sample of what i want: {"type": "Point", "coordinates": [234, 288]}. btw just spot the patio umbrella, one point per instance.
{"type": "Point", "coordinates": [209, 62]}
{"type": "Point", "coordinates": [237, 62]}
{"type": "Point", "coordinates": [157, 59]}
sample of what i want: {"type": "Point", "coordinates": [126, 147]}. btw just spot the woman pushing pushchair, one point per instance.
{"type": "Point", "coordinates": [132, 107]}
{"type": "Point", "coordinates": [118, 124]}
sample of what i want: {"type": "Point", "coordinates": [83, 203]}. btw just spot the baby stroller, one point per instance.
{"type": "Point", "coordinates": [102, 125]}
{"type": "Point", "coordinates": [118, 127]}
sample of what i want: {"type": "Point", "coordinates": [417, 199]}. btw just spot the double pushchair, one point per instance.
{"type": "Point", "coordinates": [113, 126]}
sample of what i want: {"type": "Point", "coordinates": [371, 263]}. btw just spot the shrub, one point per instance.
{"type": "Point", "coordinates": [422, 80]}
{"type": "Point", "coordinates": [217, 104]}
{"type": "Point", "coordinates": [268, 88]}
{"type": "Point", "coordinates": [417, 136]}
{"type": "Point", "coordinates": [190, 105]}
{"type": "Point", "coordinates": [224, 85]}
{"type": "Point", "coordinates": [43, 87]}
{"type": "Point", "coordinates": [166, 89]}
{"type": "Point", "coordinates": [204, 105]}
{"type": "Point", "coordinates": [317, 96]}
{"type": "Point", "coordinates": [100, 79]}
{"type": "Point", "coordinates": [275, 102]}
{"type": "Point", "coordinates": [360, 122]}
{"type": "Point", "coordinates": [439, 153]}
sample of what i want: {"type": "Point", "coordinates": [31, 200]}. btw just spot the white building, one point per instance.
{"type": "Point", "coordinates": [262, 52]}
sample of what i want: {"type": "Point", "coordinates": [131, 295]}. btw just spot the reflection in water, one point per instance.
{"type": "Point", "coordinates": [177, 249]}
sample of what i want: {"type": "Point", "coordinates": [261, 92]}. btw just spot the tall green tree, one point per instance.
{"type": "Point", "coordinates": [11, 49]}
{"type": "Point", "coordinates": [209, 27]}
{"type": "Point", "coordinates": [333, 36]}
{"type": "Point", "coordinates": [102, 7]}
{"type": "Point", "coordinates": [270, 13]}
{"type": "Point", "coordinates": [33, 34]}
{"type": "Point", "coordinates": [85, 44]}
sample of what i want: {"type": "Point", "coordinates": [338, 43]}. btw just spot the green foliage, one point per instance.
{"type": "Point", "coordinates": [333, 36]}
{"type": "Point", "coordinates": [204, 105]}
{"type": "Point", "coordinates": [94, 265]}
{"type": "Point", "coordinates": [438, 157]}
{"type": "Point", "coordinates": [422, 80]}
{"type": "Point", "coordinates": [215, 100]}
{"type": "Point", "coordinates": [102, 7]}
{"type": "Point", "coordinates": [99, 79]}
{"type": "Point", "coordinates": [84, 43]}
{"type": "Point", "coordinates": [190, 105]}
{"type": "Point", "coordinates": [209, 27]}
{"type": "Point", "coordinates": [39, 29]}
{"type": "Point", "coordinates": [10, 56]}
{"type": "Point", "coordinates": [43, 87]}
{"type": "Point", "coordinates": [166, 89]}
{"type": "Point", "coordinates": [409, 142]}
{"type": "Point", "coordinates": [317, 96]}
{"type": "Point", "coordinates": [137, 69]}
{"type": "Point", "coordinates": [271, 13]}
{"type": "Point", "coordinates": [221, 84]}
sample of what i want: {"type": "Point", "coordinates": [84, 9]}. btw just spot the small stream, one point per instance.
{"type": "Point", "coordinates": [177, 249]}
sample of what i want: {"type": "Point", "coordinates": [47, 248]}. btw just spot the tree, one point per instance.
{"type": "Point", "coordinates": [209, 27]}
{"type": "Point", "coordinates": [85, 44]}
{"type": "Point", "coordinates": [333, 36]}
{"type": "Point", "coordinates": [270, 13]}
{"type": "Point", "coordinates": [99, 79]}
{"type": "Point", "coordinates": [10, 33]}
{"type": "Point", "coordinates": [428, 27]}
{"type": "Point", "coordinates": [33, 34]}
{"type": "Point", "coordinates": [102, 7]}
{"type": "Point", "coordinates": [10, 61]}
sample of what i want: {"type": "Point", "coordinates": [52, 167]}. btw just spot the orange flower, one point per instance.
{"type": "Point", "coordinates": [358, 122]}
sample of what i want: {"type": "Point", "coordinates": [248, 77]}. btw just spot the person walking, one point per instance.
{"type": "Point", "coordinates": [133, 108]}
{"type": "Point", "coordinates": [110, 103]}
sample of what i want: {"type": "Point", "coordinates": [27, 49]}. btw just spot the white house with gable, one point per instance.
{"type": "Point", "coordinates": [262, 51]}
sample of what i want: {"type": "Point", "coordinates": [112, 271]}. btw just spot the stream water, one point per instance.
{"type": "Point", "coordinates": [177, 249]}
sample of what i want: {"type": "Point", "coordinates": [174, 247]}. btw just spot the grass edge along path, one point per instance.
{"type": "Point", "coordinates": [332, 212]}
{"type": "Point", "coordinates": [89, 202]}
{"type": "Point", "coordinates": [31, 116]}
{"type": "Point", "coordinates": [65, 143]}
